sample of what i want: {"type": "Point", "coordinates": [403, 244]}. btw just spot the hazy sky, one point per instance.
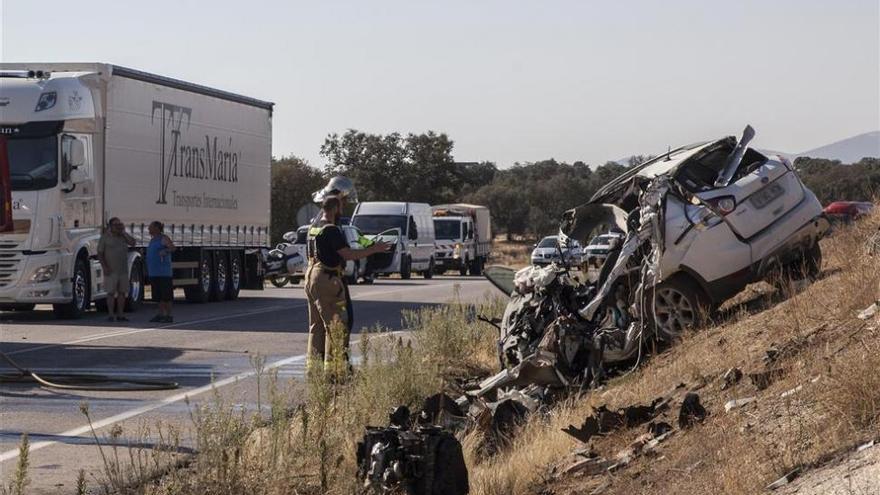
{"type": "Point", "coordinates": [507, 80]}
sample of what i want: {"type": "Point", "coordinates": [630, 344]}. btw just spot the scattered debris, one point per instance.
{"type": "Point", "coordinates": [730, 378]}
{"type": "Point", "coordinates": [865, 446]}
{"type": "Point", "coordinates": [737, 403]}
{"type": "Point", "coordinates": [791, 392]}
{"type": "Point", "coordinates": [763, 379]}
{"type": "Point", "coordinates": [424, 460]}
{"type": "Point", "coordinates": [870, 312]}
{"type": "Point", "coordinates": [788, 478]}
{"type": "Point", "coordinates": [604, 421]}
{"type": "Point", "coordinates": [691, 411]}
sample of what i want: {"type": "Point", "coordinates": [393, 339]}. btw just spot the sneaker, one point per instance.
{"type": "Point", "coordinates": [157, 319]}
{"type": "Point", "coordinates": [121, 318]}
{"type": "Point", "coordinates": [168, 319]}
{"type": "Point", "coordinates": [111, 318]}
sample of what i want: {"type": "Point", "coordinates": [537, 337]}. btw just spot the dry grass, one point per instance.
{"type": "Point", "coordinates": [740, 452]}
{"type": "Point", "coordinates": [308, 446]}
{"type": "Point", "coordinates": [511, 253]}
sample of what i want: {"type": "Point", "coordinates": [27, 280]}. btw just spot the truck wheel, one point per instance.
{"type": "Point", "coordinates": [81, 297]}
{"type": "Point", "coordinates": [279, 281]}
{"type": "Point", "coordinates": [135, 287]}
{"type": "Point", "coordinates": [476, 267]}
{"type": "Point", "coordinates": [201, 292]}
{"type": "Point", "coordinates": [234, 286]}
{"type": "Point", "coordinates": [406, 268]}
{"type": "Point", "coordinates": [221, 276]}
{"type": "Point", "coordinates": [679, 304]}
{"type": "Point", "coordinates": [429, 273]}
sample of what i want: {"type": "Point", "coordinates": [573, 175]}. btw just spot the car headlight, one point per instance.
{"type": "Point", "coordinates": [44, 273]}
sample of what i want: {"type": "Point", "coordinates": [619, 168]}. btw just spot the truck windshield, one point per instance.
{"type": "Point", "coordinates": [447, 229]}
{"type": "Point", "coordinates": [33, 163]}
{"type": "Point", "coordinates": [376, 224]}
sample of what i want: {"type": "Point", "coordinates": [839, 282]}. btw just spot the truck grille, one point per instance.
{"type": "Point", "coordinates": [10, 260]}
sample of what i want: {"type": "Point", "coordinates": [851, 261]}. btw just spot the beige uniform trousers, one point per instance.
{"type": "Point", "coordinates": [326, 295]}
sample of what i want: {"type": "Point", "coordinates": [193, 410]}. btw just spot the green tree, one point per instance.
{"type": "Point", "coordinates": [293, 182]}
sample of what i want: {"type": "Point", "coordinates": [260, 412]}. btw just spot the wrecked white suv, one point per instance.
{"type": "Point", "coordinates": [710, 218]}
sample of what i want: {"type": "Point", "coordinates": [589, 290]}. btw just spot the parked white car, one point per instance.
{"type": "Point", "coordinates": [548, 250]}
{"type": "Point", "coordinates": [598, 248]}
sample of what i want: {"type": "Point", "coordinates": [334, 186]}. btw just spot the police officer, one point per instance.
{"type": "Point", "coordinates": [326, 292]}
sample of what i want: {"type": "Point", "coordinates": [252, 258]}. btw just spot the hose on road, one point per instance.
{"type": "Point", "coordinates": [81, 382]}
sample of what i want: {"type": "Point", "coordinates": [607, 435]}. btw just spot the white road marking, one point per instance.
{"type": "Point", "coordinates": [269, 309]}
{"type": "Point", "coordinates": [12, 454]}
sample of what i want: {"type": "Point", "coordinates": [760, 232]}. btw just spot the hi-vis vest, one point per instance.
{"type": "Point", "coordinates": [311, 245]}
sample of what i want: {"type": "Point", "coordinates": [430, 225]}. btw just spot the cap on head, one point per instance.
{"type": "Point", "coordinates": [339, 187]}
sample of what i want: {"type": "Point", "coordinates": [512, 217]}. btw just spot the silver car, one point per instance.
{"type": "Point", "coordinates": [548, 251]}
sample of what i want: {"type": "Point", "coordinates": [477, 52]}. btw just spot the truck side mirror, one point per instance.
{"type": "Point", "coordinates": [73, 156]}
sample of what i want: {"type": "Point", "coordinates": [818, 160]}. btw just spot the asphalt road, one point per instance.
{"type": "Point", "coordinates": [208, 346]}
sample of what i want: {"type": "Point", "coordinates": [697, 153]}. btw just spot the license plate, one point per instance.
{"type": "Point", "coordinates": [766, 195]}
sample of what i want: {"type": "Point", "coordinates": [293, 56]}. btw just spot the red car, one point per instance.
{"type": "Point", "coordinates": [848, 210]}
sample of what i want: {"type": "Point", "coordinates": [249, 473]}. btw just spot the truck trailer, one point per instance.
{"type": "Point", "coordinates": [464, 237]}
{"type": "Point", "coordinates": [83, 143]}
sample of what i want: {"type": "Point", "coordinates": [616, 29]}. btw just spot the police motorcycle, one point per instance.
{"type": "Point", "coordinates": [286, 262]}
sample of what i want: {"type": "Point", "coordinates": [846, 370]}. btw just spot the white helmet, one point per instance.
{"type": "Point", "coordinates": [340, 187]}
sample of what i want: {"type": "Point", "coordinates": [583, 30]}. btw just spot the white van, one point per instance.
{"type": "Point", "coordinates": [408, 227]}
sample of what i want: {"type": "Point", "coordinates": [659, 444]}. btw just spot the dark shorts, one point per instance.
{"type": "Point", "coordinates": [163, 290]}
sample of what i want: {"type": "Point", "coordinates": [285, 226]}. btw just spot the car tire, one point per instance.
{"type": "Point", "coordinates": [406, 268]}
{"type": "Point", "coordinates": [678, 304]}
{"type": "Point", "coordinates": [81, 293]}
{"type": "Point", "coordinates": [429, 273]}
{"type": "Point", "coordinates": [201, 292]}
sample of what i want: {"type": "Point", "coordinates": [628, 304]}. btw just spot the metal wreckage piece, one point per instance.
{"type": "Point", "coordinates": [413, 459]}
{"type": "Point", "coordinates": [557, 332]}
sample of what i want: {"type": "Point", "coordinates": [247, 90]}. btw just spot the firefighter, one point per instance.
{"type": "Point", "coordinates": [326, 291]}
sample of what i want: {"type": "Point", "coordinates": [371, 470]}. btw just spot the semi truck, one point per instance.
{"type": "Point", "coordinates": [464, 237]}
{"type": "Point", "coordinates": [83, 143]}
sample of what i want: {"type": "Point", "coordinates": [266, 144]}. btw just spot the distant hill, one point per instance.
{"type": "Point", "coordinates": [849, 150]}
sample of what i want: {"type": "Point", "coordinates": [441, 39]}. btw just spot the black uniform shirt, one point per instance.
{"type": "Point", "coordinates": [327, 244]}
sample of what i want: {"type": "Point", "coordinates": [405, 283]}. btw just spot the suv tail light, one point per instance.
{"type": "Point", "coordinates": [723, 204]}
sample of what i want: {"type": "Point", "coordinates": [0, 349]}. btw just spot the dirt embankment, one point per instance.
{"type": "Point", "coordinates": [807, 395]}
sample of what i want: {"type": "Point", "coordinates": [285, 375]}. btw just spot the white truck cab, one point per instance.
{"type": "Point", "coordinates": [408, 227]}
{"type": "Point", "coordinates": [464, 237]}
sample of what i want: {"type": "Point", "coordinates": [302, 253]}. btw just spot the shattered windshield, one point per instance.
{"type": "Point", "coordinates": [447, 229]}
{"type": "Point", "coordinates": [376, 224]}
{"type": "Point", "coordinates": [33, 163]}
